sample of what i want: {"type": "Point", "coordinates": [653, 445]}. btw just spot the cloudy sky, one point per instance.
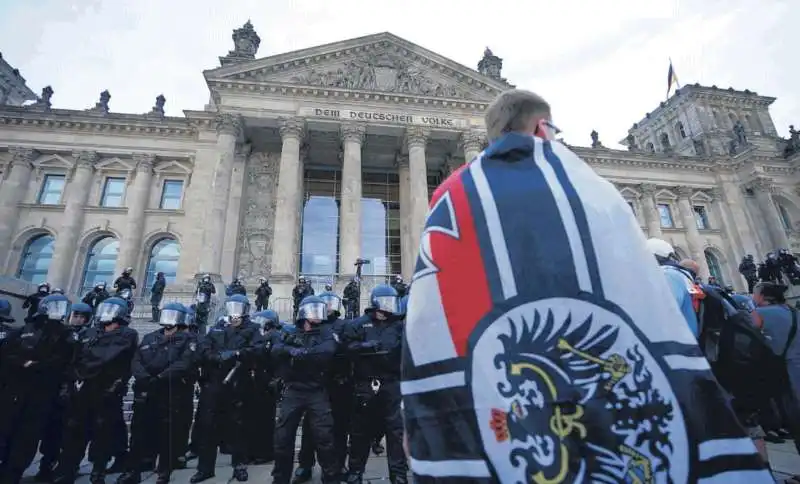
{"type": "Point", "coordinates": [602, 65]}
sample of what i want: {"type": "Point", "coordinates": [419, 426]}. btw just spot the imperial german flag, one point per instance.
{"type": "Point", "coordinates": [672, 78]}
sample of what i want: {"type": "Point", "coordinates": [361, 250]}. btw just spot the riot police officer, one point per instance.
{"type": "Point", "coordinates": [50, 444]}
{"type": "Point", "coordinates": [236, 287]}
{"type": "Point", "coordinates": [302, 290]}
{"type": "Point", "coordinates": [263, 293]}
{"type": "Point", "coordinates": [352, 293]}
{"type": "Point", "coordinates": [32, 301]}
{"type": "Point", "coordinates": [340, 391]}
{"type": "Point", "coordinates": [374, 341]}
{"type": "Point", "coordinates": [101, 370]}
{"type": "Point", "coordinates": [125, 281]}
{"type": "Point", "coordinates": [5, 319]}
{"type": "Point", "coordinates": [34, 358]}
{"type": "Point", "coordinates": [161, 368]}
{"type": "Point", "coordinates": [267, 389]}
{"type": "Point", "coordinates": [97, 295]}
{"type": "Point", "coordinates": [305, 357]}
{"type": "Point", "coordinates": [399, 286]}
{"type": "Point", "coordinates": [228, 356]}
{"type": "Point", "coordinates": [203, 302]}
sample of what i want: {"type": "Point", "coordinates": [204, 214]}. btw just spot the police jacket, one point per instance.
{"type": "Point", "coordinates": [747, 268]}
{"type": "Point", "coordinates": [222, 348]}
{"type": "Point", "coordinates": [310, 369]}
{"type": "Point", "coordinates": [263, 292]}
{"type": "Point", "coordinates": [206, 288]}
{"type": "Point", "coordinates": [236, 289]}
{"type": "Point", "coordinates": [351, 291]}
{"type": "Point", "coordinates": [94, 297]}
{"type": "Point", "coordinates": [104, 360]}
{"type": "Point", "coordinates": [162, 359]}
{"type": "Point", "coordinates": [299, 292]}
{"type": "Point", "coordinates": [401, 288]}
{"type": "Point", "coordinates": [46, 345]}
{"type": "Point", "coordinates": [341, 366]}
{"type": "Point", "coordinates": [374, 347]}
{"type": "Point", "coordinates": [124, 282]}
{"type": "Point", "coordinates": [32, 302]}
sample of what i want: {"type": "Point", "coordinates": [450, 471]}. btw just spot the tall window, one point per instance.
{"type": "Point", "coordinates": [164, 258]}
{"type": "Point", "coordinates": [665, 214]}
{"type": "Point", "coordinates": [380, 223]}
{"type": "Point", "coordinates": [714, 267]}
{"type": "Point", "coordinates": [320, 227]}
{"type": "Point", "coordinates": [100, 263]}
{"type": "Point", "coordinates": [36, 257]}
{"type": "Point", "coordinates": [785, 219]}
{"type": "Point", "coordinates": [113, 192]}
{"type": "Point", "coordinates": [700, 217]}
{"type": "Point", "coordinates": [171, 195]}
{"type": "Point", "coordinates": [52, 189]}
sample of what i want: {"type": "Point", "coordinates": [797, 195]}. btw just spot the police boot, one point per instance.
{"type": "Point", "coordinates": [301, 475]}
{"type": "Point", "coordinates": [163, 477]}
{"type": "Point", "coordinates": [240, 473]}
{"type": "Point", "coordinates": [155, 316]}
{"type": "Point", "coordinates": [377, 448]}
{"type": "Point", "coordinates": [129, 478]}
{"type": "Point", "coordinates": [201, 476]}
{"type": "Point", "coordinates": [355, 478]}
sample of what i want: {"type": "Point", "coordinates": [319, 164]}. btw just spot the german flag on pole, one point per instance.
{"type": "Point", "coordinates": [672, 78]}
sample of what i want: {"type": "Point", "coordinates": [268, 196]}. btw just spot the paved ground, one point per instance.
{"type": "Point", "coordinates": [784, 458]}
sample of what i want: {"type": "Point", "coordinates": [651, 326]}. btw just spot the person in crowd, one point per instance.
{"type": "Point", "coordinates": [31, 302]}
{"type": "Point", "coordinates": [156, 295]}
{"type": "Point", "coordinates": [523, 331]}
{"type": "Point", "coordinates": [301, 291]}
{"type": "Point", "coordinates": [236, 287]}
{"type": "Point", "coordinates": [263, 293]}
{"type": "Point", "coordinates": [748, 270]}
{"type": "Point", "coordinates": [97, 295]}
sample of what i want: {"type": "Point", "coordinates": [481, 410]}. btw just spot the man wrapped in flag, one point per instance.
{"type": "Point", "coordinates": [529, 355]}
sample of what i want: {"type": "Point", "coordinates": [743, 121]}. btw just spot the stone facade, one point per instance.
{"type": "Point", "coordinates": [716, 187]}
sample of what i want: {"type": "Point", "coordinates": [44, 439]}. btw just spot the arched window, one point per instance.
{"type": "Point", "coordinates": [714, 267]}
{"type": "Point", "coordinates": [35, 260]}
{"type": "Point", "coordinates": [680, 130]}
{"type": "Point", "coordinates": [163, 258]}
{"type": "Point", "coordinates": [786, 220]}
{"type": "Point", "coordinates": [100, 262]}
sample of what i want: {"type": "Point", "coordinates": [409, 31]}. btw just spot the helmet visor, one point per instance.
{"type": "Point", "coordinates": [172, 317]}
{"type": "Point", "coordinates": [333, 302]}
{"type": "Point", "coordinates": [108, 312]}
{"type": "Point", "coordinates": [201, 297]}
{"type": "Point", "coordinates": [235, 308]}
{"type": "Point", "coordinates": [313, 311]}
{"type": "Point", "coordinates": [56, 310]}
{"type": "Point", "coordinates": [387, 304]}
{"type": "Point", "coordinates": [264, 321]}
{"type": "Point", "coordinates": [78, 319]}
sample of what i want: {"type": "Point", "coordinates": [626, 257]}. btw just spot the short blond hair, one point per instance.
{"type": "Point", "coordinates": [512, 111]}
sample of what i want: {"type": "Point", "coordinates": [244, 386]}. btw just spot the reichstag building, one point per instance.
{"type": "Point", "coordinates": [305, 161]}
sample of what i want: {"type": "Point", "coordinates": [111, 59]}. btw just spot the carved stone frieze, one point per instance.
{"type": "Point", "coordinates": [255, 233]}
{"type": "Point", "coordinates": [381, 71]}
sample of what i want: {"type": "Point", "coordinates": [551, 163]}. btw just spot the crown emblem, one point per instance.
{"type": "Point", "coordinates": [499, 424]}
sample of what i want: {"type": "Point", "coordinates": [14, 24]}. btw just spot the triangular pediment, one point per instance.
{"type": "Point", "coordinates": [52, 161]}
{"type": "Point", "coordinates": [379, 63]}
{"type": "Point", "coordinates": [114, 164]}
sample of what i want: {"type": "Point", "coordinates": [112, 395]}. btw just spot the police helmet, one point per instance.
{"type": "Point", "coordinates": [237, 306]}
{"type": "Point", "coordinates": [100, 285]}
{"type": "Point", "coordinates": [206, 278]}
{"type": "Point", "coordinates": [127, 271]}
{"type": "Point", "coordinates": [301, 279]}
{"type": "Point", "coordinates": [328, 288]}
{"type": "Point", "coordinates": [5, 311]}
{"type": "Point", "coordinates": [81, 314]}
{"type": "Point", "coordinates": [267, 319]}
{"type": "Point", "coordinates": [262, 279]}
{"type": "Point", "coordinates": [55, 307]}
{"type": "Point", "coordinates": [112, 310]}
{"type": "Point", "coordinates": [312, 308]}
{"type": "Point", "coordinates": [57, 290]}
{"type": "Point", "coordinates": [384, 298]}
{"type": "Point", "coordinates": [403, 306]}
{"type": "Point", "coordinates": [44, 287]}
{"type": "Point", "coordinates": [173, 314]}
{"type": "Point", "coordinates": [661, 249]}
{"type": "Point", "coordinates": [333, 302]}
{"type": "Point", "coordinates": [288, 328]}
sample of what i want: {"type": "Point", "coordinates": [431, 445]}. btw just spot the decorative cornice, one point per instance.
{"type": "Point", "coordinates": [353, 132]}
{"type": "Point", "coordinates": [229, 124]}
{"type": "Point", "coordinates": [416, 136]}
{"type": "Point", "coordinates": [292, 128]}
{"type": "Point", "coordinates": [85, 159]}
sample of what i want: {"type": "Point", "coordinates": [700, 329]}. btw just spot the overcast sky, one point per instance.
{"type": "Point", "coordinates": [602, 65]}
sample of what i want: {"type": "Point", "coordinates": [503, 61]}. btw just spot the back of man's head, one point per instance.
{"type": "Point", "coordinates": [516, 110]}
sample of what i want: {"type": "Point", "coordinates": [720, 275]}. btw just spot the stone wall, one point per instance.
{"type": "Point", "coordinates": [256, 230]}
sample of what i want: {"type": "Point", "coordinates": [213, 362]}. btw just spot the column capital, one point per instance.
{"type": "Point", "coordinates": [292, 128]}
{"type": "Point", "coordinates": [85, 159]}
{"type": "Point", "coordinates": [230, 124]}
{"type": "Point", "coordinates": [416, 136]}
{"type": "Point", "coordinates": [648, 189]}
{"type": "Point", "coordinates": [472, 140]}
{"type": "Point", "coordinates": [353, 132]}
{"type": "Point", "coordinates": [685, 192]}
{"type": "Point", "coordinates": [763, 184]}
{"type": "Point", "coordinates": [22, 156]}
{"type": "Point", "coordinates": [717, 194]}
{"type": "Point", "coordinates": [144, 161]}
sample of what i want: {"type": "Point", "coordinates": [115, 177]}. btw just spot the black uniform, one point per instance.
{"type": "Point", "coordinates": [124, 282]}
{"type": "Point", "coordinates": [100, 373]}
{"type": "Point", "coordinates": [34, 358]}
{"type": "Point", "coordinates": [32, 302]}
{"type": "Point", "coordinates": [94, 297]}
{"type": "Point", "coordinates": [748, 270]}
{"type": "Point", "coordinates": [202, 309]}
{"type": "Point", "coordinates": [156, 295]}
{"type": "Point", "coordinates": [375, 347]}
{"type": "Point", "coordinates": [401, 288]}
{"type": "Point", "coordinates": [162, 368]}
{"type": "Point", "coordinates": [262, 409]}
{"type": "Point", "coordinates": [236, 287]}
{"type": "Point", "coordinates": [304, 358]}
{"type": "Point", "coordinates": [222, 350]}
{"type": "Point", "coordinates": [185, 395]}
{"type": "Point", "coordinates": [350, 300]}
{"type": "Point", "coordinates": [300, 292]}
{"type": "Point", "coordinates": [263, 292]}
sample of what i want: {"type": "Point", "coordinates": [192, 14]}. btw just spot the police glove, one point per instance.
{"type": "Point", "coordinates": [298, 352]}
{"type": "Point", "coordinates": [228, 355]}
{"type": "Point", "coordinates": [371, 345]}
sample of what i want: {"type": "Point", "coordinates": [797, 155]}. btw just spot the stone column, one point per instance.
{"type": "Point", "coordinates": [230, 251]}
{"type": "Point", "coordinates": [734, 205]}
{"type": "Point", "coordinates": [693, 239]}
{"type": "Point", "coordinates": [229, 129]}
{"type": "Point", "coordinates": [471, 143]}
{"type": "Point", "coordinates": [350, 206]}
{"type": "Point", "coordinates": [406, 248]}
{"type": "Point", "coordinates": [416, 139]}
{"type": "Point", "coordinates": [137, 200]}
{"type": "Point", "coordinates": [731, 242]}
{"type": "Point", "coordinates": [763, 187]}
{"type": "Point", "coordinates": [651, 216]}
{"type": "Point", "coordinates": [66, 245]}
{"type": "Point", "coordinates": [288, 203]}
{"type": "Point", "coordinates": [18, 175]}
